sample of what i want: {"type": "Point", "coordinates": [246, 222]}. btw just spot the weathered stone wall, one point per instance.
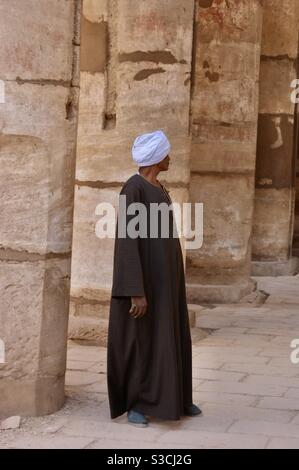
{"type": "Point", "coordinates": [224, 128]}
{"type": "Point", "coordinates": [38, 61]}
{"type": "Point", "coordinates": [275, 167]}
{"type": "Point", "coordinates": [135, 77]}
{"type": "Point", "coordinates": [295, 247]}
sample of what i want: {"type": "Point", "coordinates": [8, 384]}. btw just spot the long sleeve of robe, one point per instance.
{"type": "Point", "coordinates": [127, 263]}
{"type": "Point", "coordinates": [149, 362]}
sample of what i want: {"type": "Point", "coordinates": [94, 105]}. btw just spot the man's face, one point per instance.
{"type": "Point", "coordinates": [163, 166]}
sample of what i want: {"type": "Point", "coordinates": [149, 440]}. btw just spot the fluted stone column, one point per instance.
{"type": "Point", "coordinates": [276, 149]}
{"type": "Point", "coordinates": [224, 130]}
{"type": "Point", "coordinates": [38, 61]}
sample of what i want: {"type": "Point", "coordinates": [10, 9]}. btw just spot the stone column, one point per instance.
{"type": "Point", "coordinates": [224, 127]}
{"type": "Point", "coordinates": [38, 61]}
{"type": "Point", "coordinates": [275, 169]}
{"type": "Point", "coordinates": [135, 78]}
{"type": "Point", "coordinates": [295, 245]}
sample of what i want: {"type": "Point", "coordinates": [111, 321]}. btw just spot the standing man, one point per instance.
{"type": "Point", "coordinates": [149, 361]}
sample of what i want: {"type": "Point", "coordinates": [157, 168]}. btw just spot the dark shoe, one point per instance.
{"type": "Point", "coordinates": [136, 418]}
{"type": "Point", "coordinates": [192, 410]}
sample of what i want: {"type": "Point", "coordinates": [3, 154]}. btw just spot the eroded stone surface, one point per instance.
{"type": "Point", "coordinates": [27, 39]}
{"type": "Point", "coordinates": [276, 147]}
{"type": "Point", "coordinates": [38, 118]}
{"type": "Point", "coordinates": [224, 129]}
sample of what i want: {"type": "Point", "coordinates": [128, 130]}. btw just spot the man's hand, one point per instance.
{"type": "Point", "coordinates": [139, 306]}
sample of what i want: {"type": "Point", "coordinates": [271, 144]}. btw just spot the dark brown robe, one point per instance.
{"type": "Point", "coordinates": [149, 364]}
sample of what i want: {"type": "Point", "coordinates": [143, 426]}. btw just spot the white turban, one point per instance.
{"type": "Point", "coordinates": [151, 148]}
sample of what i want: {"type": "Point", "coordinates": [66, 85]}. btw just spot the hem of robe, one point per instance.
{"type": "Point", "coordinates": [150, 411]}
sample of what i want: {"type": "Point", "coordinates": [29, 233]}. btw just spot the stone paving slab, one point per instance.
{"type": "Point", "coordinates": [239, 412]}
{"type": "Point", "coordinates": [203, 440]}
{"type": "Point", "coordinates": [262, 369]}
{"type": "Point", "coordinates": [279, 403]}
{"type": "Point", "coordinates": [265, 428]}
{"type": "Point", "coordinates": [281, 443]}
